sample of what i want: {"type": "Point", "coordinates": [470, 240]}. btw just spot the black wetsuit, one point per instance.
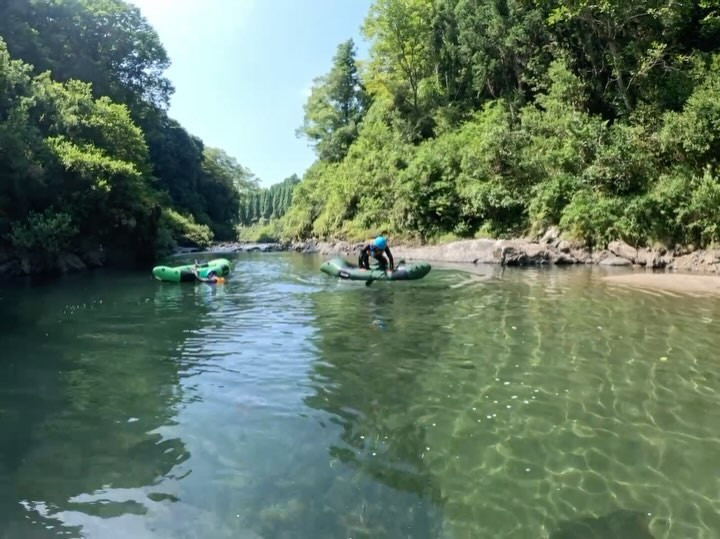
{"type": "Point", "coordinates": [377, 254]}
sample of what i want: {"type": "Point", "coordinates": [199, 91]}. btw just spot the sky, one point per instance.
{"type": "Point", "coordinates": [242, 71]}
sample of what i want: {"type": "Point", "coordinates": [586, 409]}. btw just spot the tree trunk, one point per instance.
{"type": "Point", "coordinates": [619, 76]}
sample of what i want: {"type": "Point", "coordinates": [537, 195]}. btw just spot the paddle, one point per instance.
{"type": "Point", "coordinates": [371, 279]}
{"type": "Point", "coordinates": [382, 272]}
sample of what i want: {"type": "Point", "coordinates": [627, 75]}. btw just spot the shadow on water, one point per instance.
{"type": "Point", "coordinates": [84, 386]}
{"type": "Point", "coordinates": [618, 524]}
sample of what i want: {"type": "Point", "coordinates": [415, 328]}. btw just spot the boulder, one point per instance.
{"type": "Point", "coordinates": [613, 260]}
{"type": "Point", "coordinates": [519, 253]}
{"type": "Point", "coordinates": [70, 262]}
{"type": "Point", "coordinates": [32, 265]}
{"type": "Point", "coordinates": [94, 258]}
{"type": "Point", "coordinates": [651, 259]}
{"type": "Point", "coordinates": [623, 250]}
{"type": "Point", "coordinates": [564, 259]}
{"type": "Point", "coordinates": [472, 251]}
{"type": "Point", "coordinates": [551, 236]}
{"type": "Point", "coordinates": [582, 256]}
{"type": "Point", "coordinates": [700, 261]}
{"type": "Point", "coordinates": [599, 256]}
{"type": "Point", "coordinates": [10, 268]}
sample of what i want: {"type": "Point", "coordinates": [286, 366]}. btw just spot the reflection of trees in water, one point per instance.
{"type": "Point", "coordinates": [366, 378]}
{"type": "Point", "coordinates": [87, 382]}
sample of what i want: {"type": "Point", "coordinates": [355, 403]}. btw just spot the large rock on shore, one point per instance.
{"type": "Point", "coordinates": [700, 261]}
{"type": "Point", "coordinates": [70, 262]}
{"type": "Point", "coordinates": [614, 260]}
{"type": "Point", "coordinates": [10, 268]}
{"type": "Point", "coordinates": [520, 253]}
{"type": "Point", "coordinates": [471, 251]}
{"type": "Point", "coordinates": [623, 250]}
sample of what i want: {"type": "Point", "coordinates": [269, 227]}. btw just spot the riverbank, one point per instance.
{"type": "Point", "coordinates": [548, 250]}
{"type": "Point", "coordinates": [696, 272]}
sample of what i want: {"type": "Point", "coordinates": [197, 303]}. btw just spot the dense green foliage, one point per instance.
{"type": "Point", "coordinates": [262, 210]}
{"type": "Point", "coordinates": [89, 158]}
{"type": "Point", "coordinates": [501, 117]}
{"type": "Point", "coordinates": [271, 203]}
{"type": "Point", "coordinates": [178, 230]}
{"type": "Point", "coordinates": [262, 232]}
{"type": "Point", "coordinates": [72, 165]}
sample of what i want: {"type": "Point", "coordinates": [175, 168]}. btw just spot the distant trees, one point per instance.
{"type": "Point", "coordinates": [269, 203]}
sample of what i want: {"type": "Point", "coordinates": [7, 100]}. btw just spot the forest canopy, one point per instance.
{"type": "Point", "coordinates": [89, 159]}
{"type": "Point", "coordinates": [497, 118]}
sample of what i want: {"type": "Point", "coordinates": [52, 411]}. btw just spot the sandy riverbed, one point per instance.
{"type": "Point", "coordinates": [676, 282]}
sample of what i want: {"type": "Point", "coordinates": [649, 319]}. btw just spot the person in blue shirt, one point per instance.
{"type": "Point", "coordinates": [376, 248]}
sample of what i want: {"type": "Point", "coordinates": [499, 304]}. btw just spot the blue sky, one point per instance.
{"type": "Point", "coordinates": [242, 70]}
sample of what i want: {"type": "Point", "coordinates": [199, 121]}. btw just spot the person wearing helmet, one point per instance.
{"type": "Point", "coordinates": [376, 248]}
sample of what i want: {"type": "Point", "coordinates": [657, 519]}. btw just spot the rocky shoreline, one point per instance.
{"type": "Point", "coordinates": [23, 266]}
{"type": "Point", "coordinates": [548, 250]}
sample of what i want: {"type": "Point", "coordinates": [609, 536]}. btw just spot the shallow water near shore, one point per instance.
{"type": "Point", "coordinates": [523, 403]}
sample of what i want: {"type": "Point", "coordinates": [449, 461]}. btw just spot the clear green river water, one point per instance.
{"type": "Point", "coordinates": [536, 403]}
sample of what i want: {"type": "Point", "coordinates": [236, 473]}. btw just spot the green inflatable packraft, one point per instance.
{"type": "Point", "coordinates": [183, 274]}
{"type": "Point", "coordinates": [339, 267]}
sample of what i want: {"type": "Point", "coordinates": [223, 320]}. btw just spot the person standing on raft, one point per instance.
{"type": "Point", "coordinates": [376, 248]}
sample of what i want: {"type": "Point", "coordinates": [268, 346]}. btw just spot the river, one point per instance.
{"type": "Point", "coordinates": [519, 403]}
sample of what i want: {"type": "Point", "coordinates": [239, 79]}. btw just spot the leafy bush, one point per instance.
{"type": "Point", "coordinates": [48, 233]}
{"type": "Point", "coordinates": [177, 229]}
{"type": "Point", "coordinates": [592, 217]}
{"type": "Point", "coordinates": [263, 232]}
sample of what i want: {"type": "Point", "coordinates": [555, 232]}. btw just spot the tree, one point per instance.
{"type": "Point", "coordinates": [633, 39]}
{"type": "Point", "coordinates": [256, 207]}
{"type": "Point", "coordinates": [177, 158]}
{"type": "Point", "coordinates": [223, 184]}
{"type": "Point", "coordinates": [84, 166]}
{"type": "Point", "coordinates": [501, 47]}
{"type": "Point", "coordinates": [105, 42]}
{"type": "Point", "coordinates": [265, 204]}
{"type": "Point", "coordinates": [401, 31]}
{"type": "Point", "coordinates": [335, 107]}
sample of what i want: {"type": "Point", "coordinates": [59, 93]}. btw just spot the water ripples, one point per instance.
{"type": "Point", "coordinates": [516, 403]}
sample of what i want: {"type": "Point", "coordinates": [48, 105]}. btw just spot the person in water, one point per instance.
{"type": "Point", "coordinates": [376, 248]}
{"type": "Point", "coordinates": [210, 279]}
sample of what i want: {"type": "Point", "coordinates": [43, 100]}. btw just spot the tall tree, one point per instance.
{"type": "Point", "coordinates": [336, 106]}
{"type": "Point", "coordinates": [401, 31]}
{"type": "Point", "coordinates": [105, 42]}
{"type": "Point", "coordinates": [256, 207]}
{"type": "Point", "coordinates": [223, 183]}
{"type": "Point", "coordinates": [501, 45]}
